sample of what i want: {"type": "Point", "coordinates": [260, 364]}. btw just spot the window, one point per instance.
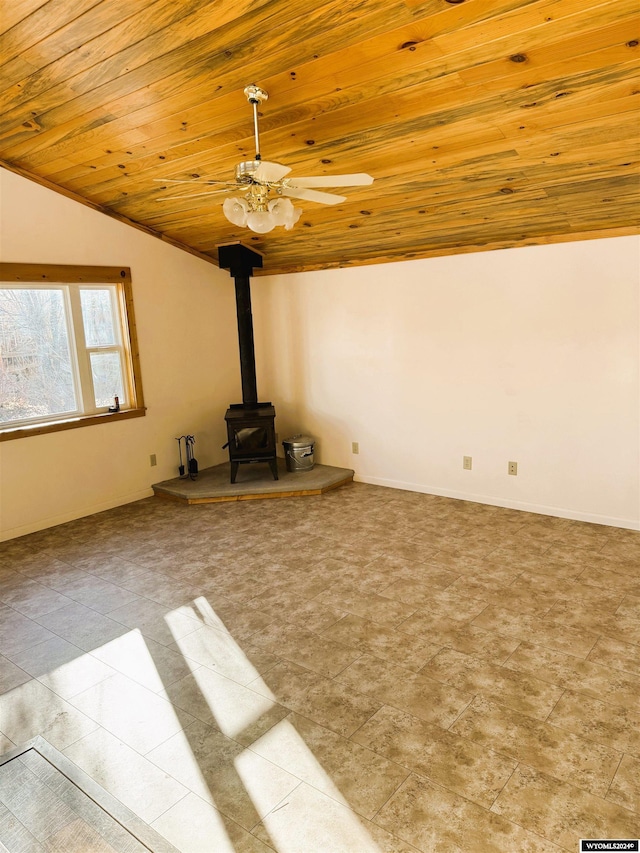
{"type": "Point", "coordinates": [68, 355]}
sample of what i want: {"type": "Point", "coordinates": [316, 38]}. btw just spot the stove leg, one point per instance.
{"type": "Point", "coordinates": [273, 464]}
{"type": "Point", "coordinates": [234, 471]}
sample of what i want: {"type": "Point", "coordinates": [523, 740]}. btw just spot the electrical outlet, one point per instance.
{"type": "Point", "coordinates": [513, 468]}
{"type": "Point", "coordinates": [355, 447]}
{"type": "Point", "coordinates": [466, 463]}
{"type": "Point", "coordinates": [152, 460]}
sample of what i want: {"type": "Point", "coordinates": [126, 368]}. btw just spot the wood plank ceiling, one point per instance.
{"type": "Point", "coordinates": [485, 123]}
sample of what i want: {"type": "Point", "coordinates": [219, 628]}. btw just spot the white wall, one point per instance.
{"type": "Point", "coordinates": [185, 313]}
{"type": "Point", "coordinates": [529, 355]}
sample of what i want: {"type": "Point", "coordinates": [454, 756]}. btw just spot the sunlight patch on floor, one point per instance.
{"type": "Point", "coordinates": [233, 707]}
{"type": "Point", "coordinates": [284, 744]}
{"type": "Point", "coordinates": [288, 824]}
{"type": "Point", "coordinates": [310, 820]}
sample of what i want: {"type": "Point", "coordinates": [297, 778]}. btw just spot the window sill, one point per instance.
{"type": "Point", "coordinates": [9, 433]}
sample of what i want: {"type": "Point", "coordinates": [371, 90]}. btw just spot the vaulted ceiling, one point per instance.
{"type": "Point", "coordinates": [485, 123]}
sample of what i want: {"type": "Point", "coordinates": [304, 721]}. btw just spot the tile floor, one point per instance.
{"type": "Point", "coordinates": [366, 670]}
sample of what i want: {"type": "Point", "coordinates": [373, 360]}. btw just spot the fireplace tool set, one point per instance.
{"type": "Point", "coordinates": [192, 462]}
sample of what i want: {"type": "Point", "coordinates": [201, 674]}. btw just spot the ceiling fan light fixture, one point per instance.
{"type": "Point", "coordinates": [253, 213]}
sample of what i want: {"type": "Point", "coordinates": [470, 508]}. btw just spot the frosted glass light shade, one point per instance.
{"type": "Point", "coordinates": [284, 213]}
{"type": "Point", "coordinates": [236, 210]}
{"type": "Point", "coordinates": [260, 221]}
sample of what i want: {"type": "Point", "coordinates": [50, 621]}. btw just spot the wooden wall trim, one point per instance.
{"type": "Point", "coordinates": [71, 273]}
{"type": "Point", "coordinates": [58, 426]}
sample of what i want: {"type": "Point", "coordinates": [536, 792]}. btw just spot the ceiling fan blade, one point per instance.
{"type": "Point", "coordinates": [270, 173]}
{"type": "Point", "coordinates": [196, 195]}
{"type": "Point", "coordinates": [313, 195]}
{"type": "Point", "coordinates": [361, 179]}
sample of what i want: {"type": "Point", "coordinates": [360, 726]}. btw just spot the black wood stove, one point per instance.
{"type": "Point", "coordinates": [251, 435]}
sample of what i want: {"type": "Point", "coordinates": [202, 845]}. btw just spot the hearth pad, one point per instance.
{"type": "Point", "coordinates": [213, 484]}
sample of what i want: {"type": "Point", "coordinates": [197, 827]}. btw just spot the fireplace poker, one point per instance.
{"type": "Point", "coordinates": [192, 462]}
{"type": "Point", "coordinates": [180, 466]}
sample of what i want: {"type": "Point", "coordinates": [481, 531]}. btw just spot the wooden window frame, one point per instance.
{"type": "Point", "coordinates": [70, 274]}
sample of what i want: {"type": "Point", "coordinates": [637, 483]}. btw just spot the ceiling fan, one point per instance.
{"type": "Point", "coordinates": [266, 189]}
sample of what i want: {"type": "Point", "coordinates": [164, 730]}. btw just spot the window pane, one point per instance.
{"type": "Point", "coordinates": [36, 375]}
{"type": "Point", "coordinates": [107, 378]}
{"type": "Point", "coordinates": [97, 314]}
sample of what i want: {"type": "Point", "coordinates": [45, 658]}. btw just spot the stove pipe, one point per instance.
{"type": "Point", "coordinates": [240, 261]}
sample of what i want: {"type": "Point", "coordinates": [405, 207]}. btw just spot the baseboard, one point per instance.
{"type": "Point", "coordinates": [558, 512]}
{"type": "Point", "coordinates": [53, 521]}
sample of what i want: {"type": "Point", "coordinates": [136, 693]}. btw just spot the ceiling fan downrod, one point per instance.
{"type": "Point", "coordinates": [255, 95]}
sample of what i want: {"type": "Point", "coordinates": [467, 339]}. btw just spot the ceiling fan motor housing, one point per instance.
{"type": "Point", "coordinates": [246, 170]}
